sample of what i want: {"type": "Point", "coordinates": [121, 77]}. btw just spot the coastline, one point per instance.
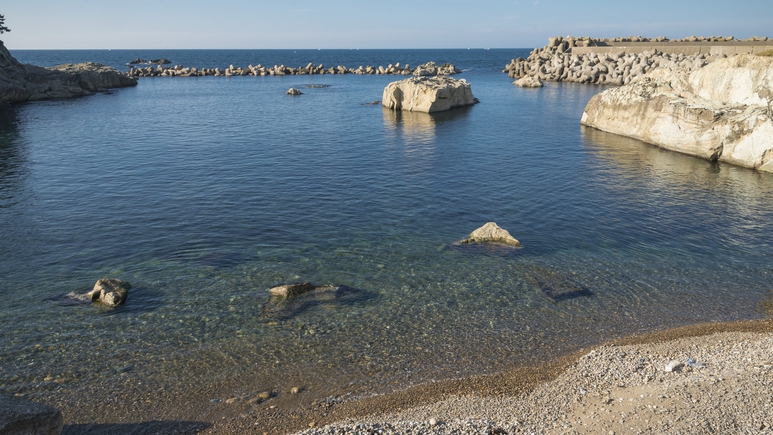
{"type": "Point", "coordinates": [453, 403]}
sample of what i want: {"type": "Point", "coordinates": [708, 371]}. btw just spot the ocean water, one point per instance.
{"type": "Point", "coordinates": [205, 192]}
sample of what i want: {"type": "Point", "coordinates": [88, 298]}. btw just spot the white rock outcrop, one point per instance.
{"type": "Point", "coordinates": [720, 112]}
{"type": "Point", "coordinates": [528, 82]}
{"type": "Point", "coordinates": [492, 233]}
{"type": "Point", "coordinates": [428, 94]}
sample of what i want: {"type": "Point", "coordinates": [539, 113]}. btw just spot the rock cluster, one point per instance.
{"type": "Point", "coordinates": [20, 82]}
{"type": "Point", "coordinates": [280, 70]}
{"type": "Point", "coordinates": [555, 62]}
{"type": "Point", "coordinates": [428, 94]}
{"type": "Point", "coordinates": [723, 112]}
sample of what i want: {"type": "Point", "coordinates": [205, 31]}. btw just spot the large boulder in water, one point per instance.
{"type": "Point", "coordinates": [428, 94]}
{"type": "Point", "coordinates": [20, 416]}
{"type": "Point", "coordinates": [20, 82]}
{"type": "Point", "coordinates": [722, 112]}
{"type": "Point", "coordinates": [492, 233]}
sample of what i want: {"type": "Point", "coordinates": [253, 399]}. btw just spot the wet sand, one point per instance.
{"type": "Point", "coordinates": [138, 409]}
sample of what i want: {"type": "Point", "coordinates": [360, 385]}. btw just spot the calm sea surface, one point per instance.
{"type": "Point", "coordinates": [205, 192]}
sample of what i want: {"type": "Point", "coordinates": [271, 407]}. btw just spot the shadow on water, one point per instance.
{"type": "Point", "coordinates": [279, 309]}
{"type": "Point", "coordinates": [148, 427]}
{"type": "Point", "coordinates": [558, 286]}
{"type": "Point", "coordinates": [12, 157]}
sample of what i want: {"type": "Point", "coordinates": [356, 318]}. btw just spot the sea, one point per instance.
{"type": "Point", "coordinates": [205, 192]}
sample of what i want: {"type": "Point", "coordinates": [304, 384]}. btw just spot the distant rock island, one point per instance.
{"type": "Point", "coordinates": [20, 82]}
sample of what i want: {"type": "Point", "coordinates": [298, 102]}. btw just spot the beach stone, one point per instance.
{"type": "Point", "coordinates": [295, 390]}
{"type": "Point", "coordinates": [673, 366]}
{"type": "Point", "coordinates": [491, 233]}
{"type": "Point", "coordinates": [19, 416]}
{"type": "Point", "coordinates": [293, 91]}
{"type": "Point", "coordinates": [428, 94]}
{"type": "Point", "coordinates": [292, 290]}
{"type": "Point", "coordinates": [528, 82]}
{"type": "Point", "coordinates": [110, 291]}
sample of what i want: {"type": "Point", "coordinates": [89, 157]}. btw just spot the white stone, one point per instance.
{"type": "Point", "coordinates": [720, 112]}
{"type": "Point", "coordinates": [672, 366]}
{"type": "Point", "coordinates": [428, 94]}
{"type": "Point", "coordinates": [528, 82]}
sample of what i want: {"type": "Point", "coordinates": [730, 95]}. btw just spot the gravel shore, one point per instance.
{"type": "Point", "coordinates": [718, 383]}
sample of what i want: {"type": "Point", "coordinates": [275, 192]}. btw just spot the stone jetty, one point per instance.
{"type": "Point", "coordinates": [427, 69]}
{"type": "Point", "coordinates": [617, 61]}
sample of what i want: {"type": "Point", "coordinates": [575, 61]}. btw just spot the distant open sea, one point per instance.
{"type": "Point", "coordinates": [205, 192]}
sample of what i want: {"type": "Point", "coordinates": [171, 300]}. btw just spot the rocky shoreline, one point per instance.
{"type": "Point", "coordinates": [608, 62]}
{"type": "Point", "coordinates": [20, 82]}
{"type": "Point", "coordinates": [427, 69]}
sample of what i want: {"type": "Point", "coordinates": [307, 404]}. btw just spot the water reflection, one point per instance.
{"type": "Point", "coordinates": [13, 169]}
{"type": "Point", "coordinates": [672, 170]}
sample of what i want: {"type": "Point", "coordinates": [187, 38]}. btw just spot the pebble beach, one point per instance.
{"type": "Point", "coordinates": [717, 383]}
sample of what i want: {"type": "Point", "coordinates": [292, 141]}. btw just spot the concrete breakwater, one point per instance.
{"type": "Point", "coordinates": [427, 69]}
{"type": "Point", "coordinates": [617, 61]}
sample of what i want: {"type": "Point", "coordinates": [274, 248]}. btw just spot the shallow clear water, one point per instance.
{"type": "Point", "coordinates": [205, 192]}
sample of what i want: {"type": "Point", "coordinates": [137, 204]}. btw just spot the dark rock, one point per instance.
{"type": "Point", "coordinates": [20, 82]}
{"type": "Point", "coordinates": [138, 61]}
{"type": "Point", "coordinates": [160, 61]}
{"type": "Point", "coordinates": [20, 416]}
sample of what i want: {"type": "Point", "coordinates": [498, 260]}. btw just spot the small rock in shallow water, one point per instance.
{"type": "Point", "coordinates": [492, 233]}
{"type": "Point", "coordinates": [293, 91]}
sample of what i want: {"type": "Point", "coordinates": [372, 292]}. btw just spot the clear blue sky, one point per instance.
{"type": "Point", "coordinates": [62, 24]}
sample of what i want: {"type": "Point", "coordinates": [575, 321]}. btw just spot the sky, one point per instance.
{"type": "Point", "coordinates": [302, 24]}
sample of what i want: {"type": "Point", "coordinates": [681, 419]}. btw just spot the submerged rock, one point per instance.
{"type": "Point", "coordinates": [722, 112]}
{"type": "Point", "coordinates": [292, 290]}
{"type": "Point", "coordinates": [282, 308]}
{"type": "Point", "coordinates": [21, 416]}
{"type": "Point", "coordinates": [428, 95]}
{"type": "Point", "coordinates": [491, 233]}
{"type": "Point", "coordinates": [20, 82]}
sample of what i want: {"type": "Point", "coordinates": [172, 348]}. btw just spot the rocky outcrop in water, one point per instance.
{"type": "Point", "coordinates": [722, 112]}
{"type": "Point", "coordinates": [428, 94]}
{"type": "Point", "coordinates": [110, 291]}
{"type": "Point", "coordinates": [614, 62]}
{"type": "Point", "coordinates": [21, 416]}
{"type": "Point", "coordinates": [528, 82]}
{"type": "Point", "coordinates": [20, 82]}
{"type": "Point", "coordinates": [492, 233]}
{"type": "Point", "coordinates": [292, 290]}
{"type": "Point", "coordinates": [427, 69]}
{"type": "Point", "coordinates": [293, 91]}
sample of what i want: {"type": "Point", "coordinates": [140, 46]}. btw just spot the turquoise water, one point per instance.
{"type": "Point", "coordinates": [205, 192]}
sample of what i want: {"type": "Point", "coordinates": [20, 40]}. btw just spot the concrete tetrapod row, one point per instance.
{"type": "Point", "coordinates": [427, 69]}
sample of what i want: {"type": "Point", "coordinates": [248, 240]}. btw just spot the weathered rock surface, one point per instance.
{"type": "Point", "coordinates": [430, 69]}
{"type": "Point", "coordinates": [110, 291]}
{"type": "Point", "coordinates": [20, 82]}
{"type": "Point", "coordinates": [20, 416]}
{"type": "Point", "coordinates": [292, 290]}
{"type": "Point", "coordinates": [293, 91]}
{"type": "Point", "coordinates": [492, 233]}
{"type": "Point", "coordinates": [721, 112]}
{"type": "Point", "coordinates": [528, 82]}
{"type": "Point", "coordinates": [425, 94]}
